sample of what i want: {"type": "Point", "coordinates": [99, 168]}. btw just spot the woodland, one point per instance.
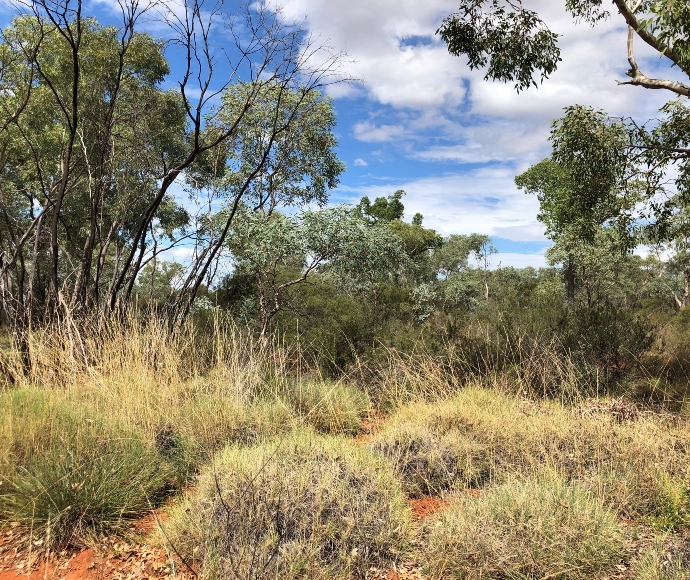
{"type": "Point", "coordinates": [330, 391]}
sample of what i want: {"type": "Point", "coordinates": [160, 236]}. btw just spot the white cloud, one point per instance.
{"type": "Point", "coordinates": [512, 259]}
{"type": "Point", "coordinates": [422, 104]}
{"type": "Point", "coordinates": [370, 133]}
{"type": "Point", "coordinates": [483, 201]}
{"type": "Point", "coordinates": [480, 120]}
{"type": "Point", "coordinates": [360, 162]}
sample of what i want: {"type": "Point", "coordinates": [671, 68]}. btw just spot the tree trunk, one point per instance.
{"type": "Point", "coordinates": [570, 282]}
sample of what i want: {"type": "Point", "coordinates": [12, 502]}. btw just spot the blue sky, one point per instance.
{"type": "Point", "coordinates": [418, 119]}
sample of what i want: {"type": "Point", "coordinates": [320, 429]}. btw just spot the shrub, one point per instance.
{"type": "Point", "coordinates": [306, 506]}
{"type": "Point", "coordinates": [67, 474]}
{"type": "Point", "coordinates": [531, 529]}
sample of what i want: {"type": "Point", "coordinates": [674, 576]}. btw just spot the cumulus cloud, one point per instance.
{"type": "Point", "coordinates": [421, 104]}
{"type": "Point", "coordinates": [370, 133]}
{"type": "Point", "coordinates": [360, 162]}
{"type": "Point", "coordinates": [483, 200]}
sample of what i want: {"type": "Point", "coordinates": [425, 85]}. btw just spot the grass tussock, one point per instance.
{"type": "Point", "coordinates": [306, 506]}
{"type": "Point", "coordinates": [327, 407]}
{"type": "Point", "coordinates": [67, 475]}
{"type": "Point", "coordinates": [104, 424]}
{"type": "Point", "coordinates": [529, 529]}
{"type": "Point", "coordinates": [480, 437]}
{"type": "Point", "coordinates": [667, 559]}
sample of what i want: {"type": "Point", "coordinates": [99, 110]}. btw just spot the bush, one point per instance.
{"type": "Point", "coordinates": [532, 529]}
{"type": "Point", "coordinates": [67, 475]}
{"type": "Point", "coordinates": [306, 506]}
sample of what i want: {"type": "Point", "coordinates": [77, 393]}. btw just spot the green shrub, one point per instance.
{"type": "Point", "coordinates": [306, 506]}
{"type": "Point", "coordinates": [531, 529]}
{"type": "Point", "coordinates": [66, 474]}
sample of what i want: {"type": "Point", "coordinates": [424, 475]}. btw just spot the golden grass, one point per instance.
{"type": "Point", "coordinates": [481, 437]}
{"type": "Point", "coordinates": [543, 528]}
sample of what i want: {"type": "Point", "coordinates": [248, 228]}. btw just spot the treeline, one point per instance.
{"type": "Point", "coordinates": [95, 150]}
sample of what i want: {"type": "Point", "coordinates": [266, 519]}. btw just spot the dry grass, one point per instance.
{"type": "Point", "coordinates": [479, 437]}
{"type": "Point", "coordinates": [305, 506]}
{"type": "Point", "coordinates": [160, 406]}
{"type": "Point", "coordinates": [530, 529]}
{"type": "Point", "coordinates": [667, 559]}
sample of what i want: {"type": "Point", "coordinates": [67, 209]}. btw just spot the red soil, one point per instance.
{"type": "Point", "coordinates": [113, 559]}
{"type": "Point", "coordinates": [427, 506]}
{"type": "Point", "coordinates": [369, 427]}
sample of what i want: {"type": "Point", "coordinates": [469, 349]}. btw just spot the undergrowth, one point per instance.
{"type": "Point", "coordinates": [113, 421]}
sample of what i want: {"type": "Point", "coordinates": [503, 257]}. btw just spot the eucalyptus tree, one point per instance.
{"type": "Point", "coordinates": [283, 154]}
{"type": "Point", "coordinates": [91, 143]}
{"type": "Point", "coordinates": [515, 44]}
{"type": "Point", "coordinates": [282, 251]}
{"type": "Point", "coordinates": [583, 186]}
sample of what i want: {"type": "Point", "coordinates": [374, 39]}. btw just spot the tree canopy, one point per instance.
{"type": "Point", "coordinates": [515, 44]}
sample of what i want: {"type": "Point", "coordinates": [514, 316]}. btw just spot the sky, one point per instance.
{"type": "Point", "coordinates": [421, 121]}
{"type": "Point", "coordinates": [418, 119]}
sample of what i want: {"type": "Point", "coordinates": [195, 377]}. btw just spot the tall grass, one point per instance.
{"type": "Point", "coordinates": [108, 419]}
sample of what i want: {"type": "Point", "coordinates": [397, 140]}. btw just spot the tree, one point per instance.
{"type": "Point", "coordinates": [282, 251]}
{"type": "Point", "coordinates": [282, 154]}
{"type": "Point", "coordinates": [90, 144]}
{"type": "Point", "coordinates": [583, 186]}
{"type": "Point", "coordinates": [515, 45]}
{"type": "Point", "coordinates": [383, 209]}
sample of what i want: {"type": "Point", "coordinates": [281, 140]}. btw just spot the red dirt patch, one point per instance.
{"type": "Point", "coordinates": [369, 426]}
{"type": "Point", "coordinates": [427, 506]}
{"type": "Point", "coordinates": [113, 558]}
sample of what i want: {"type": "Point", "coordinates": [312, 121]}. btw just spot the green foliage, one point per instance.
{"type": "Point", "coordinates": [513, 43]}
{"type": "Point", "coordinates": [383, 209]}
{"type": "Point", "coordinates": [291, 131]}
{"type": "Point", "coordinates": [67, 475]}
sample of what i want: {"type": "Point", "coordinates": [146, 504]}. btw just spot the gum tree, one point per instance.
{"type": "Point", "coordinates": [514, 44]}
{"type": "Point", "coordinates": [583, 187]}
{"type": "Point", "coordinates": [91, 144]}
{"type": "Point", "coordinates": [282, 251]}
